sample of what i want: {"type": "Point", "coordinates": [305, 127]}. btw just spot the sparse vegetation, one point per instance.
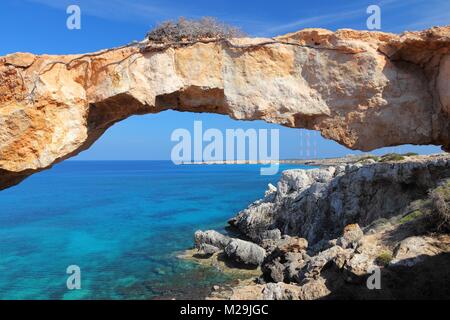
{"type": "Point", "coordinates": [436, 207]}
{"type": "Point", "coordinates": [411, 216]}
{"type": "Point", "coordinates": [384, 258]}
{"type": "Point", "coordinates": [388, 157]}
{"type": "Point", "coordinates": [440, 203]}
{"type": "Point", "coordinates": [392, 157]}
{"type": "Point", "coordinates": [378, 224]}
{"type": "Point", "coordinates": [369, 157]}
{"type": "Point", "coordinates": [396, 156]}
{"type": "Point", "coordinates": [410, 154]}
{"type": "Point", "coordinates": [192, 30]}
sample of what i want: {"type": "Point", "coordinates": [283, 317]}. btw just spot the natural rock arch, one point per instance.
{"type": "Point", "coordinates": [364, 90]}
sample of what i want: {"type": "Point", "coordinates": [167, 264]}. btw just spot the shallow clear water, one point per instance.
{"type": "Point", "coordinates": [122, 223]}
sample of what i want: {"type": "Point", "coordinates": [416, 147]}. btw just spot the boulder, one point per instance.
{"type": "Point", "coordinates": [207, 249]}
{"type": "Point", "coordinates": [292, 244]}
{"type": "Point", "coordinates": [206, 239]}
{"type": "Point", "coordinates": [351, 235]}
{"type": "Point", "coordinates": [413, 250]}
{"type": "Point", "coordinates": [245, 252]}
{"type": "Point", "coordinates": [359, 264]}
{"type": "Point", "coordinates": [280, 291]}
{"type": "Point", "coordinates": [285, 260]}
{"type": "Point", "coordinates": [314, 266]}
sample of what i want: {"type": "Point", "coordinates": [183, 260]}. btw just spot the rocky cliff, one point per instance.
{"type": "Point", "coordinates": [321, 233]}
{"type": "Point", "coordinates": [363, 89]}
{"type": "Point", "coordinates": [317, 204]}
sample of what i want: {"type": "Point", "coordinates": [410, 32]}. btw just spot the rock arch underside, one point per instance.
{"type": "Point", "coordinates": [362, 89]}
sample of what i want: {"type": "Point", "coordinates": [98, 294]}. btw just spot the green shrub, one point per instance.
{"type": "Point", "coordinates": [410, 154]}
{"type": "Point", "coordinates": [392, 157]}
{"type": "Point", "coordinates": [369, 157]}
{"type": "Point", "coordinates": [192, 30]}
{"type": "Point", "coordinates": [411, 216]}
{"type": "Point", "coordinates": [384, 258]}
{"type": "Point", "coordinates": [396, 156]}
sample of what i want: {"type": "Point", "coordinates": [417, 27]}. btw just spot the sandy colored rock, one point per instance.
{"type": "Point", "coordinates": [314, 289]}
{"type": "Point", "coordinates": [362, 89]}
{"type": "Point", "coordinates": [351, 235]}
{"type": "Point", "coordinates": [413, 250]}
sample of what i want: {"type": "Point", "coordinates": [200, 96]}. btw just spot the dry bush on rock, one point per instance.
{"type": "Point", "coordinates": [440, 201]}
{"type": "Point", "coordinates": [193, 30]}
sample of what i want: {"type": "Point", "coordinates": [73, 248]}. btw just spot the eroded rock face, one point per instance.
{"type": "Point", "coordinates": [317, 204]}
{"type": "Point", "coordinates": [413, 250]}
{"type": "Point", "coordinates": [363, 89]}
{"type": "Point", "coordinates": [418, 270]}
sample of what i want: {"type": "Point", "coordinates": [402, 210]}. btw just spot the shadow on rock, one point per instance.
{"type": "Point", "coordinates": [428, 278]}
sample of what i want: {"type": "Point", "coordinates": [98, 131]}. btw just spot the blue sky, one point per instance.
{"type": "Point", "coordinates": [39, 26]}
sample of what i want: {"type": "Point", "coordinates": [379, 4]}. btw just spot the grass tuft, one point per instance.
{"type": "Point", "coordinates": [411, 216]}
{"type": "Point", "coordinates": [440, 203]}
{"type": "Point", "coordinates": [384, 258]}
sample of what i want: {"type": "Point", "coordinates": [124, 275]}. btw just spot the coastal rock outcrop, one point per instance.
{"type": "Point", "coordinates": [362, 89]}
{"type": "Point", "coordinates": [246, 252]}
{"type": "Point", "coordinates": [317, 204]}
{"type": "Point", "coordinates": [210, 241]}
{"type": "Point", "coordinates": [418, 270]}
{"type": "Point", "coordinates": [237, 250]}
{"type": "Point", "coordinates": [352, 228]}
{"type": "Point", "coordinates": [323, 233]}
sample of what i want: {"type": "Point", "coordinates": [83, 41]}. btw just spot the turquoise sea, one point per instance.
{"type": "Point", "coordinates": [122, 222]}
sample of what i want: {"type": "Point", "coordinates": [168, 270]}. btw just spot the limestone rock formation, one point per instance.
{"type": "Point", "coordinates": [356, 219]}
{"type": "Point", "coordinates": [287, 256]}
{"type": "Point", "coordinates": [363, 89]}
{"type": "Point", "coordinates": [413, 250]}
{"type": "Point", "coordinates": [237, 250]}
{"type": "Point", "coordinates": [245, 252]}
{"type": "Point", "coordinates": [212, 238]}
{"type": "Point", "coordinates": [418, 269]}
{"type": "Point", "coordinates": [317, 204]}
